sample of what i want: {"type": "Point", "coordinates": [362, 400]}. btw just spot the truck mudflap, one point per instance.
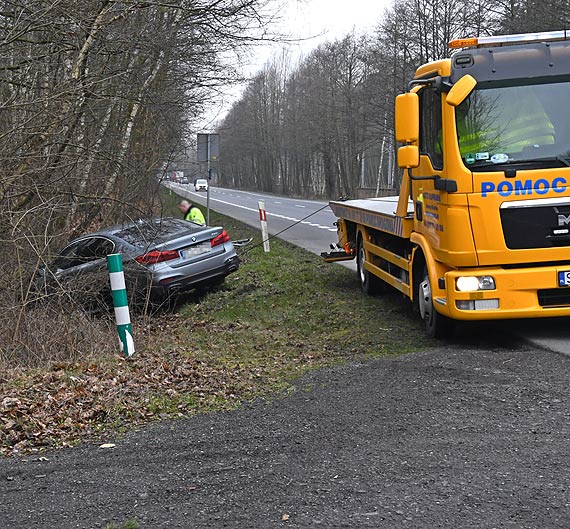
{"type": "Point", "coordinates": [331, 257]}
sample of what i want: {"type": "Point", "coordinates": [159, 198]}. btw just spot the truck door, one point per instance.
{"type": "Point", "coordinates": [442, 217]}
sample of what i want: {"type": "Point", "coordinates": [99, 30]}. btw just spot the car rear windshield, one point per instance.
{"type": "Point", "coordinates": [155, 231]}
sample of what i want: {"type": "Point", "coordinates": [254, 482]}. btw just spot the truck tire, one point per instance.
{"type": "Point", "coordinates": [437, 325]}
{"type": "Point", "coordinates": [369, 283]}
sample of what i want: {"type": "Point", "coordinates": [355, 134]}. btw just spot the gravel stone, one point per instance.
{"type": "Point", "coordinates": [454, 437]}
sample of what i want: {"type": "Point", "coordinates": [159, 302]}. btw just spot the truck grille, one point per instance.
{"type": "Point", "coordinates": [536, 223]}
{"type": "Point", "coordinates": [554, 297]}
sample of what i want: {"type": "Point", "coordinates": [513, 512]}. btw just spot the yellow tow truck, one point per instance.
{"type": "Point", "coordinates": [481, 227]}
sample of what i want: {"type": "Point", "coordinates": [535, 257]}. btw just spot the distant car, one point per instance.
{"type": "Point", "coordinates": [184, 180]}
{"type": "Point", "coordinates": [161, 257]}
{"type": "Point", "coordinates": [201, 184]}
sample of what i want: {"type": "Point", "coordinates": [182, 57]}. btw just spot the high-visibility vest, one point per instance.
{"type": "Point", "coordinates": [195, 215]}
{"type": "Point", "coordinates": [525, 126]}
{"type": "Point", "coordinates": [523, 131]}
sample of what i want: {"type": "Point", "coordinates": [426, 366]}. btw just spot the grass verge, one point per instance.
{"type": "Point", "coordinates": [280, 314]}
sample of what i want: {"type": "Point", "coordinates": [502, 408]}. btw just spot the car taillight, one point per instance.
{"type": "Point", "coordinates": [156, 256]}
{"type": "Point", "coordinates": [221, 238]}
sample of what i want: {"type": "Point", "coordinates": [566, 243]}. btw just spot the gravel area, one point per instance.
{"type": "Point", "coordinates": [455, 437]}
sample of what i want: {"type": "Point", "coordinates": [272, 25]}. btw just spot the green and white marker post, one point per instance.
{"type": "Point", "coordinates": [120, 302]}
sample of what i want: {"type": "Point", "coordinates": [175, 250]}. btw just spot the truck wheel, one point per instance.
{"type": "Point", "coordinates": [369, 283]}
{"type": "Point", "coordinates": [437, 325]}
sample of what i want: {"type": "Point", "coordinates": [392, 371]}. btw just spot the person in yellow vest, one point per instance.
{"type": "Point", "coordinates": [510, 121]}
{"type": "Point", "coordinates": [191, 212]}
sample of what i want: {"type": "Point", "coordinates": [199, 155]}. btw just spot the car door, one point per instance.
{"type": "Point", "coordinates": [80, 270]}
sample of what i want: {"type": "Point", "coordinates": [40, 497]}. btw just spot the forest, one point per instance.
{"type": "Point", "coordinates": [323, 127]}
{"type": "Point", "coordinates": [96, 98]}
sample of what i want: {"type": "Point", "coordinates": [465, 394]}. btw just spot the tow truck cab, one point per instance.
{"type": "Point", "coordinates": [481, 229]}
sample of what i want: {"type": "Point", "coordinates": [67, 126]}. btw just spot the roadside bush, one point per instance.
{"type": "Point", "coordinates": [38, 335]}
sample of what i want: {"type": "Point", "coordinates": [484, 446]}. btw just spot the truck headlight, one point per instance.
{"type": "Point", "coordinates": [474, 283]}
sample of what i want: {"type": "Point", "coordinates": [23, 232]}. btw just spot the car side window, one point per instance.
{"type": "Point", "coordinates": [84, 251]}
{"type": "Point", "coordinates": [98, 248]}
{"type": "Point", "coordinates": [68, 257]}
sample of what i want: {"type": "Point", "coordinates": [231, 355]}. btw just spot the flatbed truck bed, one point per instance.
{"type": "Point", "coordinates": [378, 213]}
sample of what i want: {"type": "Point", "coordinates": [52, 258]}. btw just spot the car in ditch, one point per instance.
{"type": "Point", "coordinates": [162, 257]}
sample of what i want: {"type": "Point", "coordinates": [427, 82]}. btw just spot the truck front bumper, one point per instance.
{"type": "Point", "coordinates": [531, 292]}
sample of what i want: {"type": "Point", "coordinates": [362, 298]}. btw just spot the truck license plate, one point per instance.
{"type": "Point", "coordinates": [564, 278]}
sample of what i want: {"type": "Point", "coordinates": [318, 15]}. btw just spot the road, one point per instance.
{"type": "Point", "coordinates": [309, 224]}
{"type": "Point", "coordinates": [305, 223]}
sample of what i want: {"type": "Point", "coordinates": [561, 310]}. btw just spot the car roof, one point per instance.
{"type": "Point", "coordinates": [144, 231]}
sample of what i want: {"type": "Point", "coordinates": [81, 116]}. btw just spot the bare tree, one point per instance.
{"type": "Point", "coordinates": [520, 16]}
{"type": "Point", "coordinates": [94, 98]}
{"type": "Point", "coordinates": [330, 132]}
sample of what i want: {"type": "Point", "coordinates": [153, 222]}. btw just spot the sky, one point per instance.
{"type": "Point", "coordinates": [312, 22]}
{"type": "Point", "coordinates": [318, 21]}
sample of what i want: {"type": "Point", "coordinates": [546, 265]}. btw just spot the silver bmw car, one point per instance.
{"type": "Point", "coordinates": [161, 257]}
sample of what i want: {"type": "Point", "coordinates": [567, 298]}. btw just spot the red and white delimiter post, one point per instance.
{"type": "Point", "coordinates": [263, 220]}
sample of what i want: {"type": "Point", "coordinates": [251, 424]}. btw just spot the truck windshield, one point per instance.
{"type": "Point", "coordinates": [515, 124]}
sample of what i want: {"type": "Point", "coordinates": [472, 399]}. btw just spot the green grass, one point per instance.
{"type": "Point", "coordinates": [287, 310]}
{"type": "Point", "coordinates": [130, 524]}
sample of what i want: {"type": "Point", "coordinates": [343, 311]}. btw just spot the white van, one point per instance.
{"type": "Point", "coordinates": [201, 184]}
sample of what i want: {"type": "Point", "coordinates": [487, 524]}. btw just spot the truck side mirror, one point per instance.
{"type": "Point", "coordinates": [460, 90]}
{"type": "Point", "coordinates": [409, 156]}
{"type": "Point", "coordinates": [408, 129]}
{"type": "Point", "coordinates": [407, 118]}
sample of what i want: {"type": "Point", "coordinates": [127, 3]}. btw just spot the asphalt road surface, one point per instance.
{"type": "Point", "coordinates": [470, 435]}
{"type": "Point", "coordinates": [305, 223]}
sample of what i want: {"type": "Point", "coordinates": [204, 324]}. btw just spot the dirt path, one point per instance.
{"type": "Point", "coordinates": [448, 438]}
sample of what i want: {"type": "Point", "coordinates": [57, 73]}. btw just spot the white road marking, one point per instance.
{"type": "Point", "coordinates": [276, 215]}
{"type": "Point", "coordinates": [269, 214]}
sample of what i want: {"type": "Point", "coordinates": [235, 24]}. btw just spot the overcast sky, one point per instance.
{"type": "Point", "coordinates": [309, 23]}
{"type": "Point", "coordinates": [330, 19]}
{"type": "Point", "coordinates": [312, 22]}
